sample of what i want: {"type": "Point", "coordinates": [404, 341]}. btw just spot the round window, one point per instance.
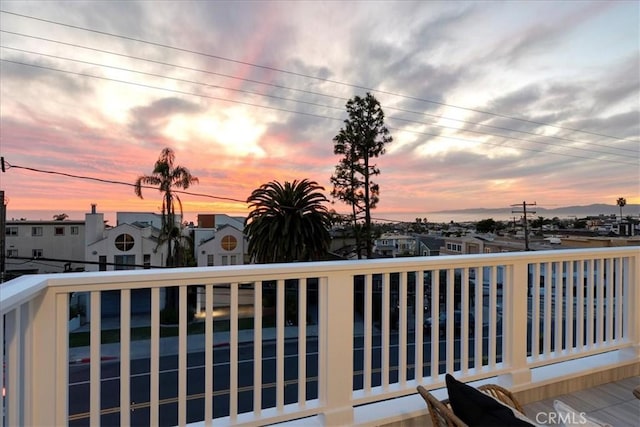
{"type": "Point", "coordinates": [124, 242]}
{"type": "Point", "coordinates": [229, 243]}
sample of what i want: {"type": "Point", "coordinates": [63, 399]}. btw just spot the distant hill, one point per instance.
{"type": "Point", "coordinates": [580, 211]}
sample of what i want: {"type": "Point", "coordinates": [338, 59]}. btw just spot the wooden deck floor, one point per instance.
{"type": "Point", "coordinates": [612, 403]}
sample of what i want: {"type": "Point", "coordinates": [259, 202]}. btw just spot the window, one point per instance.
{"type": "Point", "coordinates": [124, 242]}
{"type": "Point", "coordinates": [210, 260]}
{"type": "Point", "coordinates": [233, 260]}
{"type": "Point", "coordinates": [58, 231]}
{"type": "Point", "coordinates": [36, 231]}
{"type": "Point", "coordinates": [75, 229]}
{"type": "Point", "coordinates": [454, 247]}
{"type": "Point", "coordinates": [125, 262]}
{"type": "Point", "coordinates": [36, 253]}
{"type": "Point", "coordinates": [146, 260]}
{"type": "Point", "coordinates": [12, 252]}
{"type": "Point", "coordinates": [225, 260]}
{"type": "Point", "coordinates": [102, 260]}
{"type": "Point", "coordinates": [11, 231]}
{"type": "Point", "coordinates": [229, 243]}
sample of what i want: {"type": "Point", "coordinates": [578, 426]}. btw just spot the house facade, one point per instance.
{"type": "Point", "coordinates": [126, 246]}
{"type": "Point", "coordinates": [32, 247]}
{"type": "Point", "coordinates": [225, 245]}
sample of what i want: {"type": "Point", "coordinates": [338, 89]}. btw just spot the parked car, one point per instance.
{"type": "Point", "coordinates": [457, 323]}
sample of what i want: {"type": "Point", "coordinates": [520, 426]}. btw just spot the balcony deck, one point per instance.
{"type": "Point", "coordinates": [612, 403]}
{"type": "Point", "coordinates": [543, 324]}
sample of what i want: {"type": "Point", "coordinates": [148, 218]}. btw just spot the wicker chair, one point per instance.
{"type": "Point", "coordinates": [441, 414]}
{"type": "Point", "coordinates": [503, 395]}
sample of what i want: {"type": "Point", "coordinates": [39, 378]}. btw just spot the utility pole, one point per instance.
{"type": "Point", "coordinates": [526, 228]}
{"type": "Point", "coordinates": [3, 223]}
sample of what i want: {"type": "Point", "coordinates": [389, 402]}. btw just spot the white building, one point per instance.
{"type": "Point", "coordinates": [128, 245]}
{"type": "Point", "coordinates": [391, 244]}
{"type": "Point", "coordinates": [35, 246]}
{"type": "Point", "coordinates": [225, 245]}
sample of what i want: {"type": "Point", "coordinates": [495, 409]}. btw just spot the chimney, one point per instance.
{"type": "Point", "coordinates": [93, 208]}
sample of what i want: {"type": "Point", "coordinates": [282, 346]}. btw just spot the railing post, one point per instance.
{"type": "Point", "coordinates": [49, 362]}
{"type": "Point", "coordinates": [336, 348]}
{"type": "Point", "coordinates": [631, 313]}
{"type": "Point", "coordinates": [514, 322]}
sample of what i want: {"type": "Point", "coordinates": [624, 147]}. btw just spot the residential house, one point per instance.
{"type": "Point", "coordinates": [224, 245]}
{"type": "Point", "coordinates": [43, 246]}
{"type": "Point", "coordinates": [127, 246]}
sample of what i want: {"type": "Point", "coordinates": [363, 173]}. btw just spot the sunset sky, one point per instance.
{"type": "Point", "coordinates": [489, 103]}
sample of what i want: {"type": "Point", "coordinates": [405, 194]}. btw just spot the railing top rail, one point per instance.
{"type": "Point", "coordinates": [21, 290]}
{"type": "Point", "coordinates": [26, 287]}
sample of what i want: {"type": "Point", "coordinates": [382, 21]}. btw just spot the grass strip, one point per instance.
{"type": "Point", "coordinates": [110, 336]}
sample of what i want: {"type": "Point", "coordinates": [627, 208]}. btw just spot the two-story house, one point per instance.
{"type": "Point", "coordinates": [53, 246]}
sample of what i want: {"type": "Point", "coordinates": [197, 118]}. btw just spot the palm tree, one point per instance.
{"type": "Point", "coordinates": [168, 177]}
{"type": "Point", "coordinates": [288, 222]}
{"type": "Point", "coordinates": [621, 202]}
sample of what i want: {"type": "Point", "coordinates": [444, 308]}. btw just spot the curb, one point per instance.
{"type": "Point", "coordinates": [88, 359]}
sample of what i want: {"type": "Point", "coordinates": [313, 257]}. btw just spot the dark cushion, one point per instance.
{"type": "Point", "coordinates": [476, 408]}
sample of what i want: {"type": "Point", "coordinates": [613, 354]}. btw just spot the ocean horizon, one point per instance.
{"type": "Point", "coordinates": [441, 216]}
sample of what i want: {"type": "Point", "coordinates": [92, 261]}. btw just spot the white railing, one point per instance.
{"type": "Point", "coordinates": [333, 340]}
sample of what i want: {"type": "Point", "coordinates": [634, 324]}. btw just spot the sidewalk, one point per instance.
{"type": "Point", "coordinates": [169, 346]}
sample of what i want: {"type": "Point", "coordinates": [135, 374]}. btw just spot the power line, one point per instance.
{"type": "Point", "coordinates": [386, 107]}
{"type": "Point", "coordinates": [322, 79]}
{"type": "Point", "coordinates": [39, 259]}
{"type": "Point", "coordinates": [340, 108]}
{"type": "Point", "coordinates": [6, 166]}
{"type": "Point", "coordinates": [305, 113]}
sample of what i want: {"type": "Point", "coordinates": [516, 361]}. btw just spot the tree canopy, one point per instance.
{"type": "Point", "coordinates": [362, 138]}
{"type": "Point", "coordinates": [288, 222]}
{"type": "Point", "coordinates": [168, 176]}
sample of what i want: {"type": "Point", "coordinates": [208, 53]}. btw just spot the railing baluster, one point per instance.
{"type": "Point", "coordinates": [569, 329]}
{"type": "Point", "coordinates": [3, 362]}
{"type": "Point", "coordinates": [280, 335]}
{"type": "Point", "coordinates": [493, 323]}
{"type": "Point", "coordinates": [435, 315]}
{"type": "Point", "coordinates": [368, 332]}
{"type": "Point", "coordinates": [611, 278]}
{"type": "Point", "coordinates": [464, 321]}
{"type": "Point", "coordinates": [535, 311]}
{"type": "Point", "coordinates": [125, 357]}
{"type": "Point", "coordinates": [14, 417]}
{"type": "Point", "coordinates": [580, 301]}
{"type": "Point", "coordinates": [154, 362]}
{"type": "Point", "coordinates": [182, 355]}
{"type": "Point", "coordinates": [402, 330]}
{"type": "Point", "coordinates": [302, 343]}
{"type": "Point", "coordinates": [419, 326]}
{"type": "Point", "coordinates": [233, 351]}
{"type": "Point", "coordinates": [94, 363]}
{"type": "Point", "coordinates": [208, 355]}
{"type": "Point", "coordinates": [618, 299]}
{"type": "Point", "coordinates": [386, 331]}
{"type": "Point", "coordinates": [559, 290]}
{"type": "Point", "coordinates": [547, 308]}
{"type": "Point", "coordinates": [449, 345]}
{"type": "Point", "coordinates": [590, 288]}
{"type": "Point", "coordinates": [600, 301]}
{"type": "Point", "coordinates": [257, 348]}
{"type": "Point", "coordinates": [479, 318]}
